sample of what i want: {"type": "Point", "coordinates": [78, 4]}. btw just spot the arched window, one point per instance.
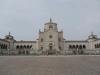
{"type": "Point", "coordinates": [41, 39]}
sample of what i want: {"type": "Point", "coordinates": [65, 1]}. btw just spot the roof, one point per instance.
{"type": "Point", "coordinates": [25, 41]}
{"type": "Point", "coordinates": [4, 40]}
{"type": "Point", "coordinates": [50, 22]}
{"type": "Point", "coordinates": [77, 41]}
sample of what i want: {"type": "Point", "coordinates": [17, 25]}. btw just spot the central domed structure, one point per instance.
{"type": "Point", "coordinates": [50, 25]}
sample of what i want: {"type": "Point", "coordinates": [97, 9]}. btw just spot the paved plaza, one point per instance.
{"type": "Point", "coordinates": [50, 65]}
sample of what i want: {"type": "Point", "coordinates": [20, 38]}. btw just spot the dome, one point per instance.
{"type": "Point", "coordinates": [9, 37]}
{"type": "Point", "coordinates": [92, 36]}
{"type": "Point", "coordinates": [50, 25]}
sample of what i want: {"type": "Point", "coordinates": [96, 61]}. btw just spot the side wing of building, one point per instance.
{"type": "Point", "coordinates": [26, 47]}
{"type": "Point", "coordinates": [4, 47]}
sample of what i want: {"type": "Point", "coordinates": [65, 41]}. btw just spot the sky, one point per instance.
{"type": "Point", "coordinates": [24, 18]}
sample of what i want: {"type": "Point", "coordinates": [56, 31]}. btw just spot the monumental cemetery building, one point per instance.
{"type": "Point", "coordinates": [50, 42]}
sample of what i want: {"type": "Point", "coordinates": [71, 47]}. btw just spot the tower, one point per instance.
{"type": "Point", "coordinates": [11, 41]}
{"type": "Point", "coordinates": [50, 25]}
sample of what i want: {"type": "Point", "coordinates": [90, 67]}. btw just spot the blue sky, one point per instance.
{"type": "Point", "coordinates": [24, 18]}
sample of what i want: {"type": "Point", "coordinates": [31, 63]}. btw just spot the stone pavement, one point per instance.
{"type": "Point", "coordinates": [49, 65]}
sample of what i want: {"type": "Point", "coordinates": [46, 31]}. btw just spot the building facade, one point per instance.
{"type": "Point", "coordinates": [50, 42]}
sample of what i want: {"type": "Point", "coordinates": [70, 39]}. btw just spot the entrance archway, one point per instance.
{"type": "Point", "coordinates": [51, 50]}
{"type": "Point", "coordinates": [50, 47]}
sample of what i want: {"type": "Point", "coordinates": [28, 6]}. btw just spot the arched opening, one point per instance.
{"type": "Point", "coordinates": [95, 46]}
{"type": "Point", "coordinates": [41, 47]}
{"type": "Point", "coordinates": [76, 46]}
{"type": "Point", "coordinates": [84, 47]}
{"type": "Point", "coordinates": [17, 47]}
{"type": "Point", "coordinates": [80, 49]}
{"type": "Point", "coordinates": [28, 46]}
{"type": "Point", "coordinates": [21, 46]}
{"type": "Point", "coordinates": [25, 47]}
{"type": "Point", "coordinates": [99, 45]}
{"type": "Point", "coordinates": [80, 46]}
{"type": "Point", "coordinates": [73, 46]}
{"type": "Point", "coordinates": [70, 46]}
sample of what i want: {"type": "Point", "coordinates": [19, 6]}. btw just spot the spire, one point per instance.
{"type": "Point", "coordinates": [50, 20]}
{"type": "Point", "coordinates": [92, 33]}
{"type": "Point", "coordinates": [9, 33]}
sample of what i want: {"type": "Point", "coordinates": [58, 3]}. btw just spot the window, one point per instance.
{"type": "Point", "coordinates": [59, 39]}
{"type": "Point", "coordinates": [41, 39]}
{"type": "Point", "coordinates": [60, 47]}
{"type": "Point", "coordinates": [50, 26]}
{"type": "Point", "coordinates": [50, 36]}
{"type": "Point", "coordinates": [50, 47]}
{"type": "Point", "coordinates": [41, 48]}
{"type": "Point", "coordinates": [50, 44]}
